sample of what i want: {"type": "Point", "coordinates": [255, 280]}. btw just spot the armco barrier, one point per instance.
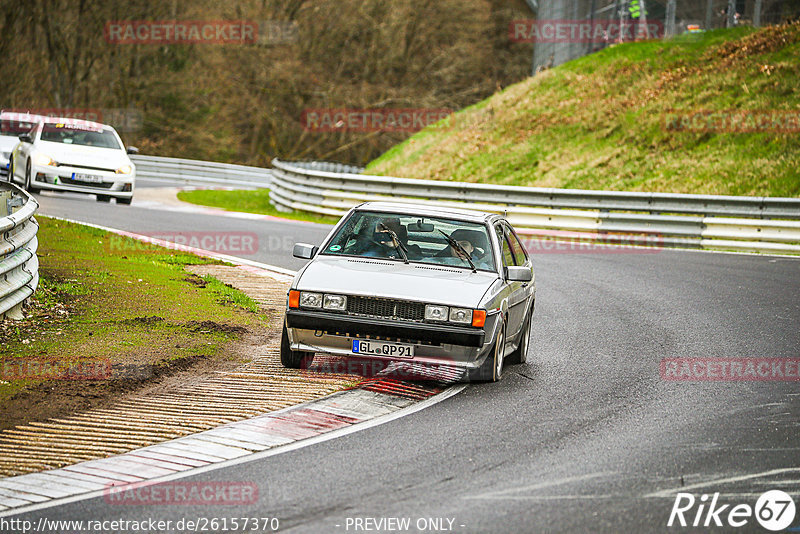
{"type": "Point", "coordinates": [19, 266]}
{"type": "Point", "coordinates": [196, 171]}
{"type": "Point", "coordinates": [757, 224]}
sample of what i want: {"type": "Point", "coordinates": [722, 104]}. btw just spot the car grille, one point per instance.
{"type": "Point", "coordinates": [89, 167]}
{"type": "Point", "coordinates": [389, 308]}
{"type": "Point", "coordinates": [101, 185]}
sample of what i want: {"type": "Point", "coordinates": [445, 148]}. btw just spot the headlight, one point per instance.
{"type": "Point", "coordinates": [335, 302]}
{"type": "Point", "coordinates": [125, 169]}
{"type": "Point", "coordinates": [310, 300]}
{"type": "Point", "coordinates": [461, 315]}
{"type": "Point", "coordinates": [435, 313]}
{"type": "Point", "coordinates": [44, 159]}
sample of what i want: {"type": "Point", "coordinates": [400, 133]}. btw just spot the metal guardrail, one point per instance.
{"type": "Point", "coordinates": [19, 266]}
{"type": "Point", "coordinates": [193, 171]}
{"type": "Point", "coordinates": [762, 224]}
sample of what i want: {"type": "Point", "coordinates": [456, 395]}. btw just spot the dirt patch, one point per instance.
{"type": "Point", "coordinates": [147, 321]}
{"type": "Point", "coordinates": [213, 326]}
{"type": "Point", "coordinates": [195, 280]}
{"type": "Point", "coordinates": [61, 398]}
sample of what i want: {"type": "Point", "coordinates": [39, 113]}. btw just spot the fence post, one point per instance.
{"type": "Point", "coordinates": [731, 13]}
{"type": "Point", "coordinates": [757, 14]}
{"type": "Point", "coordinates": [669, 23]}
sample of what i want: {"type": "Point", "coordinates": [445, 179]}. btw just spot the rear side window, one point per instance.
{"type": "Point", "coordinates": [508, 257]}
{"type": "Point", "coordinates": [516, 248]}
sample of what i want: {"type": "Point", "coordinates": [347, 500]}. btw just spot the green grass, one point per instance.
{"type": "Point", "coordinates": [600, 122]}
{"type": "Point", "coordinates": [248, 201]}
{"type": "Point", "coordinates": [105, 297]}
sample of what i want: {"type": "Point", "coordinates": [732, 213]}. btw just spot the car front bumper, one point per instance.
{"type": "Point", "coordinates": [61, 179]}
{"type": "Point", "coordinates": [332, 333]}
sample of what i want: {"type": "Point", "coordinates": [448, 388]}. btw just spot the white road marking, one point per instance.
{"type": "Point", "coordinates": [725, 480]}
{"type": "Point", "coordinates": [503, 494]}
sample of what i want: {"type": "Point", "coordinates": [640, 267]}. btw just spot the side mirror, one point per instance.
{"type": "Point", "coordinates": [304, 251]}
{"type": "Point", "coordinates": [26, 138]}
{"type": "Point", "coordinates": [518, 274]}
{"type": "Point", "coordinates": [132, 150]}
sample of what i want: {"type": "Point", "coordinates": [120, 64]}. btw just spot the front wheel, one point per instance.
{"type": "Point", "coordinates": [521, 354]}
{"type": "Point", "coordinates": [103, 198]}
{"type": "Point", "coordinates": [125, 201]}
{"type": "Point", "coordinates": [29, 180]}
{"type": "Point", "coordinates": [293, 359]}
{"type": "Point", "coordinates": [492, 368]}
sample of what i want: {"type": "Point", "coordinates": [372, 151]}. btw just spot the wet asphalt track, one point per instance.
{"type": "Point", "coordinates": [585, 437]}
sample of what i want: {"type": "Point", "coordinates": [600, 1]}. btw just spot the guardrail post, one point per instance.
{"type": "Point", "coordinates": [15, 313]}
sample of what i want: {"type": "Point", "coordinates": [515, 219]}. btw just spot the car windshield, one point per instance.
{"type": "Point", "coordinates": [79, 135]}
{"type": "Point", "coordinates": [14, 128]}
{"type": "Point", "coordinates": [422, 239]}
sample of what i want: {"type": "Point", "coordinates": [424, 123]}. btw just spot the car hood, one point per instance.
{"type": "Point", "coordinates": [376, 278]}
{"type": "Point", "coordinates": [91, 156]}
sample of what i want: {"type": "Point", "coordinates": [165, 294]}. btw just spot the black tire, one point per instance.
{"type": "Point", "coordinates": [125, 201]}
{"type": "Point", "coordinates": [293, 359]}
{"type": "Point", "coordinates": [521, 354]}
{"type": "Point", "coordinates": [103, 198]}
{"type": "Point", "coordinates": [29, 180]}
{"type": "Point", "coordinates": [492, 368]}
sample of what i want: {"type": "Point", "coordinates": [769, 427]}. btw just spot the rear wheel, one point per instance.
{"type": "Point", "coordinates": [492, 368]}
{"type": "Point", "coordinates": [293, 359]}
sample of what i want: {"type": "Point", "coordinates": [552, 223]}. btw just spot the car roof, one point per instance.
{"type": "Point", "coordinates": [426, 210]}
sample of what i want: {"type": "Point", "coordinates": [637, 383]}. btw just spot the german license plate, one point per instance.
{"type": "Point", "coordinates": [378, 348]}
{"type": "Point", "coordinates": [88, 178]}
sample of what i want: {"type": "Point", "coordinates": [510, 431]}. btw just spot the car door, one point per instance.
{"type": "Point", "coordinates": [517, 292]}
{"type": "Point", "coordinates": [521, 258]}
{"type": "Point", "coordinates": [21, 154]}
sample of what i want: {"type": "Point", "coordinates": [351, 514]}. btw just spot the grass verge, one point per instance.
{"type": "Point", "coordinates": [614, 120]}
{"type": "Point", "coordinates": [114, 305]}
{"type": "Point", "coordinates": [248, 201]}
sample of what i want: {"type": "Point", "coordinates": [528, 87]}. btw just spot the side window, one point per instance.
{"type": "Point", "coordinates": [508, 257]}
{"type": "Point", "coordinates": [516, 247]}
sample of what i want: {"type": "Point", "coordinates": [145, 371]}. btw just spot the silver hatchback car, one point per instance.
{"type": "Point", "coordinates": [430, 286]}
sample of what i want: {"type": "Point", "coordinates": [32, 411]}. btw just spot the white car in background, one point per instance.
{"type": "Point", "coordinates": [12, 125]}
{"type": "Point", "coordinates": [62, 154]}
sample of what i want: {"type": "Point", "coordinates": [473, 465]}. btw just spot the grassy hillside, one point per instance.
{"type": "Point", "coordinates": [601, 122]}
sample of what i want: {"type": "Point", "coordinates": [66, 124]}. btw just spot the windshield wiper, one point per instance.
{"type": "Point", "coordinates": [453, 243]}
{"type": "Point", "coordinates": [397, 242]}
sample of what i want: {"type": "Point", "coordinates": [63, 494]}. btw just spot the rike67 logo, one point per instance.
{"type": "Point", "coordinates": [774, 510]}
